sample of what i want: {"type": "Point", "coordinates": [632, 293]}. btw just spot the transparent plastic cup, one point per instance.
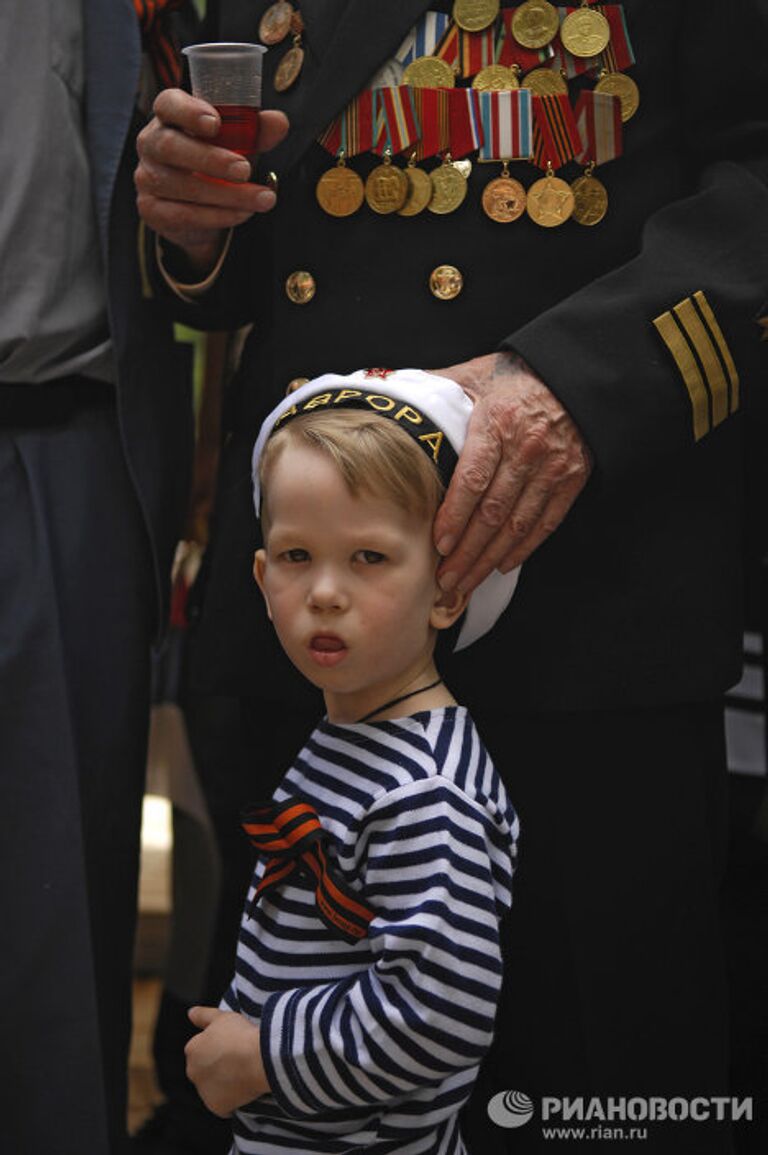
{"type": "Point", "coordinates": [228, 76]}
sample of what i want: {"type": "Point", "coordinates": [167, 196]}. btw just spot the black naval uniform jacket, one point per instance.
{"type": "Point", "coordinates": [646, 327]}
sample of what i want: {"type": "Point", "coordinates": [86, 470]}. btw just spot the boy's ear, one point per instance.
{"type": "Point", "coordinates": [449, 606]}
{"type": "Point", "coordinates": [259, 565]}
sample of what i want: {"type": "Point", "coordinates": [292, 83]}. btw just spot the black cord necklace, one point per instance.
{"type": "Point", "coordinates": [397, 701]}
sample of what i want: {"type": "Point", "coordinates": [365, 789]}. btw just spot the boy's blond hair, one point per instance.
{"type": "Point", "coordinates": [372, 453]}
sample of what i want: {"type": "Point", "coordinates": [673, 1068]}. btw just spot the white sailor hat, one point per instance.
{"type": "Point", "coordinates": [435, 412]}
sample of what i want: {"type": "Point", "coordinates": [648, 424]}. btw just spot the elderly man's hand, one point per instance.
{"type": "Point", "coordinates": [523, 465]}
{"type": "Point", "coordinates": [189, 190]}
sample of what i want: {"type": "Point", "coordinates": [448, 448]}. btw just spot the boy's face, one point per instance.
{"type": "Point", "coordinates": [349, 583]}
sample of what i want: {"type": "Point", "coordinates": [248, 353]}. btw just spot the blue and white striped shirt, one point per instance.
{"type": "Point", "coordinates": [376, 1045]}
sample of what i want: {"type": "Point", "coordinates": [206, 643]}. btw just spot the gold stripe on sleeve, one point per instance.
{"type": "Point", "coordinates": [678, 346]}
{"type": "Point", "coordinates": [701, 341]}
{"type": "Point", "coordinates": [725, 353]}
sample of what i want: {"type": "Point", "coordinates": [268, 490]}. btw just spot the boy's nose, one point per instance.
{"type": "Point", "coordinates": [326, 591]}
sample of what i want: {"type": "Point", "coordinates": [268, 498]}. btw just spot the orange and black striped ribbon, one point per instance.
{"type": "Point", "coordinates": [292, 838]}
{"type": "Point", "coordinates": [555, 134]}
{"type": "Point", "coordinates": [158, 41]}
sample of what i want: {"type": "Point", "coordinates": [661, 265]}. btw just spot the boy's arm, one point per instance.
{"type": "Point", "coordinates": [437, 872]}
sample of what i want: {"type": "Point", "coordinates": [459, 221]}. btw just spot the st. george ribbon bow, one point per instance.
{"type": "Point", "coordinates": [290, 835]}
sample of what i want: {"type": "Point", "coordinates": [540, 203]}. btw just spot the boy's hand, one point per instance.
{"type": "Point", "coordinates": [522, 467]}
{"type": "Point", "coordinates": [224, 1060]}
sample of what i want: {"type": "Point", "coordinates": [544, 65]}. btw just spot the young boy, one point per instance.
{"type": "Point", "coordinates": [369, 962]}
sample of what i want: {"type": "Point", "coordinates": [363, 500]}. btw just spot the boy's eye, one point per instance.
{"type": "Point", "coordinates": [370, 556]}
{"type": "Point", "coordinates": [295, 555]}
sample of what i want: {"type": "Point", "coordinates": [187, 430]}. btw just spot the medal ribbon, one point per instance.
{"type": "Point", "coordinates": [555, 135]}
{"type": "Point", "coordinates": [352, 130]}
{"type": "Point", "coordinates": [292, 838]}
{"type": "Point", "coordinates": [449, 49]}
{"type": "Point", "coordinates": [598, 119]}
{"type": "Point", "coordinates": [432, 114]}
{"type": "Point", "coordinates": [510, 52]}
{"type": "Point", "coordinates": [423, 38]}
{"type": "Point", "coordinates": [158, 40]}
{"type": "Point", "coordinates": [476, 50]}
{"type": "Point", "coordinates": [465, 130]}
{"type": "Point", "coordinates": [619, 54]}
{"type": "Point", "coordinates": [395, 122]}
{"type": "Point", "coordinates": [507, 125]}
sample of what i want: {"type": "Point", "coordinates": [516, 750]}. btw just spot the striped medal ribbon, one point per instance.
{"type": "Point", "coordinates": [423, 38]}
{"type": "Point", "coordinates": [292, 838]}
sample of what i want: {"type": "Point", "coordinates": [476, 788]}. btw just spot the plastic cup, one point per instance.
{"type": "Point", "coordinates": [228, 76]}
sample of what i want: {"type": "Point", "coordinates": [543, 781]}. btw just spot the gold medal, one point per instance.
{"type": "Point", "coordinates": [590, 198]}
{"type": "Point", "coordinates": [585, 32]}
{"type": "Point", "coordinates": [340, 191]}
{"type": "Point", "coordinates": [550, 201]}
{"type": "Point", "coordinates": [475, 15]}
{"type": "Point", "coordinates": [617, 84]}
{"type": "Point", "coordinates": [545, 82]}
{"type": "Point", "coordinates": [419, 190]}
{"type": "Point", "coordinates": [386, 188]}
{"type": "Point", "coordinates": [504, 198]}
{"type": "Point", "coordinates": [449, 188]}
{"type": "Point", "coordinates": [496, 78]}
{"type": "Point", "coordinates": [535, 23]}
{"type": "Point", "coordinates": [289, 68]}
{"type": "Point", "coordinates": [275, 24]}
{"type": "Point", "coordinates": [429, 72]}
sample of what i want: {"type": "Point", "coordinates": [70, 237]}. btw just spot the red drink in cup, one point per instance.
{"type": "Point", "coordinates": [228, 76]}
{"type": "Point", "coordinates": [239, 128]}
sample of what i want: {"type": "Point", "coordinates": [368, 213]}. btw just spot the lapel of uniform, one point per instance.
{"type": "Point", "coordinates": [368, 33]}
{"type": "Point", "coordinates": [112, 70]}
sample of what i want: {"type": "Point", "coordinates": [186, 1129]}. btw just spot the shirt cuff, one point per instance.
{"type": "Point", "coordinates": [189, 292]}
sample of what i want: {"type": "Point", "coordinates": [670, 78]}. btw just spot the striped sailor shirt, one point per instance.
{"type": "Point", "coordinates": [376, 1045]}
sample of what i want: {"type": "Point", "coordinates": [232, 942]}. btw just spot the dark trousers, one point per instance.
{"type": "Point", "coordinates": [615, 979]}
{"type": "Point", "coordinates": [76, 617]}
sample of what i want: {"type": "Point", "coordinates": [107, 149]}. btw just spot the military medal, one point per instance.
{"type": "Point", "coordinates": [386, 188]}
{"type": "Point", "coordinates": [590, 198]}
{"type": "Point", "coordinates": [535, 23]}
{"type": "Point", "coordinates": [275, 24]}
{"type": "Point", "coordinates": [340, 191]}
{"type": "Point", "coordinates": [507, 135]}
{"type": "Point", "coordinates": [475, 15]}
{"type": "Point", "coordinates": [617, 84]}
{"type": "Point", "coordinates": [504, 198]}
{"type": "Point", "coordinates": [477, 50]}
{"type": "Point", "coordinates": [496, 78]}
{"type": "Point", "coordinates": [550, 201]}
{"type": "Point", "coordinates": [289, 68]}
{"type": "Point", "coordinates": [429, 72]}
{"type": "Point", "coordinates": [585, 32]}
{"type": "Point", "coordinates": [545, 82]}
{"type": "Point", "coordinates": [449, 188]}
{"type": "Point", "coordinates": [599, 124]}
{"type": "Point", "coordinates": [419, 190]}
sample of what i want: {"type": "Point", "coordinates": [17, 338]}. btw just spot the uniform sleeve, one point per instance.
{"type": "Point", "coordinates": [654, 356]}
{"type": "Point", "coordinates": [425, 1007]}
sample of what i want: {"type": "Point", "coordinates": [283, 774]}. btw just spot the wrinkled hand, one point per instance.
{"type": "Point", "coordinates": [224, 1060]}
{"type": "Point", "coordinates": [189, 190]}
{"type": "Point", "coordinates": [523, 465]}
